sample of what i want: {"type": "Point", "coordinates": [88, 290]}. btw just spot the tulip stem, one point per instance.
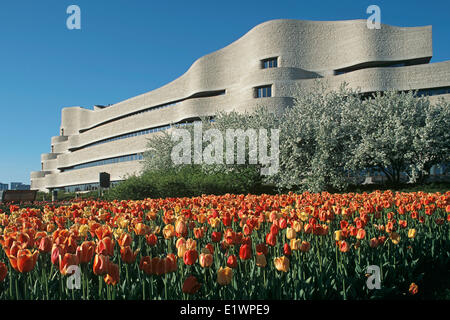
{"type": "Point", "coordinates": [17, 289]}
{"type": "Point", "coordinates": [60, 287]}
{"type": "Point", "coordinates": [10, 282]}
{"type": "Point", "coordinates": [100, 282]}
{"type": "Point", "coordinates": [165, 285]}
{"type": "Point", "coordinates": [143, 288]}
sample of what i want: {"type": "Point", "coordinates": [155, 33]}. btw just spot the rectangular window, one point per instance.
{"type": "Point", "coordinates": [264, 91]}
{"type": "Point", "coordinates": [270, 63]}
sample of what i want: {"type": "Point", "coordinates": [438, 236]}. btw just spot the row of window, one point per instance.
{"type": "Point", "coordinates": [129, 135]}
{"type": "Point", "coordinates": [433, 91]}
{"type": "Point", "coordinates": [87, 187]}
{"type": "Point", "coordinates": [139, 133]}
{"type": "Point", "coordinates": [169, 104]}
{"type": "Point", "coordinates": [355, 68]}
{"type": "Point", "coordinates": [131, 157]}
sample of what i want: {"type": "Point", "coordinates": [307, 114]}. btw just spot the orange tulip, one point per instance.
{"type": "Point", "coordinates": [57, 250]}
{"type": "Point", "coordinates": [199, 233]}
{"type": "Point", "coordinates": [171, 263]}
{"type": "Point", "coordinates": [361, 234]}
{"type": "Point", "coordinates": [113, 276]}
{"type": "Point", "coordinates": [282, 263]}
{"type": "Point", "coordinates": [103, 232]}
{"type": "Point", "coordinates": [206, 260]}
{"type": "Point", "coordinates": [45, 244]}
{"type": "Point", "coordinates": [128, 256]}
{"type": "Point", "coordinates": [124, 240]}
{"type": "Point", "coordinates": [141, 229]}
{"type": "Point", "coordinates": [168, 231]}
{"type": "Point", "coordinates": [151, 239]}
{"type": "Point", "coordinates": [25, 260]}
{"type": "Point", "coordinates": [65, 262]}
{"type": "Point", "coordinates": [305, 246]}
{"type": "Point", "coordinates": [271, 239]}
{"type": "Point", "coordinates": [85, 251]}
{"type": "Point", "coordinates": [181, 228]}
{"type": "Point", "coordinates": [373, 243]}
{"type": "Point", "coordinates": [343, 246]}
{"type": "Point", "coordinates": [105, 247]}
{"type": "Point", "coordinates": [224, 276]}
{"type": "Point", "coordinates": [413, 288]}
{"type": "Point", "coordinates": [101, 264]}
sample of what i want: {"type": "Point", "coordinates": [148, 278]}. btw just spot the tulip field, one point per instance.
{"type": "Point", "coordinates": [287, 246]}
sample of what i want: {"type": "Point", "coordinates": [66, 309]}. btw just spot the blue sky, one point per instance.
{"type": "Point", "coordinates": [128, 47]}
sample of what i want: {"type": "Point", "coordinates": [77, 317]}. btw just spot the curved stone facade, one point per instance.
{"type": "Point", "coordinates": [225, 80]}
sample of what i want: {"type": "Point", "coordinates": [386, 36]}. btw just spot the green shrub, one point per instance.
{"type": "Point", "coordinates": [187, 181]}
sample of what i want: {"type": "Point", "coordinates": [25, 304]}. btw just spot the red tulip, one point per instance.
{"type": "Point", "coordinates": [232, 261]}
{"type": "Point", "coordinates": [190, 257]}
{"type": "Point", "coordinates": [287, 249]}
{"type": "Point", "coordinates": [245, 252]}
{"type": "Point", "coordinates": [191, 285]}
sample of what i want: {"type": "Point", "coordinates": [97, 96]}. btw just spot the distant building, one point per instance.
{"type": "Point", "coordinates": [3, 186]}
{"type": "Point", "coordinates": [19, 186]}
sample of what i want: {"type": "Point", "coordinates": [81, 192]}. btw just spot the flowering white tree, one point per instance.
{"type": "Point", "coordinates": [401, 133]}
{"type": "Point", "coordinates": [315, 139]}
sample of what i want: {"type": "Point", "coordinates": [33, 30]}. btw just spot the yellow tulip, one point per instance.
{"type": "Point", "coordinates": [412, 233]}
{"type": "Point", "coordinates": [303, 216]}
{"type": "Point", "coordinates": [295, 244]}
{"type": "Point", "coordinates": [290, 233]}
{"type": "Point", "coordinates": [297, 226]}
{"type": "Point", "coordinates": [83, 230]}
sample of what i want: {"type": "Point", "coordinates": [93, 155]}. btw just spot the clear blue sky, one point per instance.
{"type": "Point", "coordinates": [128, 47]}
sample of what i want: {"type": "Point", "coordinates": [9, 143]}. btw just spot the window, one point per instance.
{"type": "Point", "coordinates": [133, 157]}
{"type": "Point", "coordinates": [263, 92]}
{"type": "Point", "coordinates": [270, 63]}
